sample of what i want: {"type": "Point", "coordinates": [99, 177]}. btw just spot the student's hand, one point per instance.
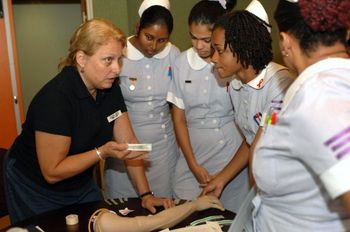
{"type": "Point", "coordinates": [214, 187]}
{"type": "Point", "coordinates": [206, 202]}
{"type": "Point", "coordinates": [149, 202]}
{"type": "Point", "coordinates": [119, 151]}
{"type": "Point", "coordinates": [201, 175]}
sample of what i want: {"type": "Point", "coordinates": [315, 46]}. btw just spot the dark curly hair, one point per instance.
{"type": "Point", "coordinates": [157, 15]}
{"type": "Point", "coordinates": [206, 12]}
{"type": "Point", "coordinates": [248, 38]}
{"type": "Point", "coordinates": [314, 22]}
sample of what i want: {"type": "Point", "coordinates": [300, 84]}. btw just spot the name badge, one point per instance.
{"type": "Point", "coordinates": [114, 116]}
{"type": "Point", "coordinates": [133, 81]}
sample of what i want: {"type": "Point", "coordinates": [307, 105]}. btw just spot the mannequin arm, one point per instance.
{"type": "Point", "coordinates": [109, 222]}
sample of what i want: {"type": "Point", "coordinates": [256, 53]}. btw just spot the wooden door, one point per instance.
{"type": "Point", "coordinates": [11, 104]}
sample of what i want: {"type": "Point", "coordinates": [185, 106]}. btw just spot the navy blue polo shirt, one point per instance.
{"type": "Point", "coordinates": [65, 107]}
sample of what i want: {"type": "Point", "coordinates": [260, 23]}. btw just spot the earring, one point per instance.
{"type": "Point", "coordinates": [284, 53]}
{"type": "Point", "coordinates": [82, 70]}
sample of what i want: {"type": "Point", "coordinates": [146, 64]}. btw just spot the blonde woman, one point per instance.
{"type": "Point", "coordinates": [70, 127]}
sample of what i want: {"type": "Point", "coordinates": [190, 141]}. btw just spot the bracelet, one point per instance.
{"type": "Point", "coordinates": [99, 154]}
{"type": "Point", "coordinates": [145, 194]}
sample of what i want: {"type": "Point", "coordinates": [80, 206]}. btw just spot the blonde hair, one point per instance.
{"type": "Point", "coordinates": [89, 36]}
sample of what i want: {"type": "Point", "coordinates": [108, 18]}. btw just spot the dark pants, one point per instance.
{"type": "Point", "coordinates": [25, 198]}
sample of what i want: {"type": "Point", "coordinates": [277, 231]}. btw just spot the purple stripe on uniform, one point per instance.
{"type": "Point", "coordinates": [337, 136]}
{"type": "Point", "coordinates": [342, 143]}
{"type": "Point", "coordinates": [344, 152]}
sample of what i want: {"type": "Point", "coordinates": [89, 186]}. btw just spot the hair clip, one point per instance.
{"type": "Point", "coordinates": [222, 3]}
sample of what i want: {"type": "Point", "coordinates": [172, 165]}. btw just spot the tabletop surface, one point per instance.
{"type": "Point", "coordinates": [54, 221]}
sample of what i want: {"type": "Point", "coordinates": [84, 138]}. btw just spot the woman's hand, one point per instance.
{"type": "Point", "coordinates": [214, 187]}
{"type": "Point", "coordinates": [201, 175]}
{"type": "Point", "coordinates": [206, 202]}
{"type": "Point", "coordinates": [149, 202]}
{"type": "Point", "coordinates": [120, 151]}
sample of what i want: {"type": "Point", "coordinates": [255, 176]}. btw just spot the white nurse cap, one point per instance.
{"type": "Point", "coordinates": [148, 3]}
{"type": "Point", "coordinates": [256, 8]}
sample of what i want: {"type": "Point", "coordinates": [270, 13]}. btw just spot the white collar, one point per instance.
{"type": "Point", "coordinates": [194, 60]}
{"type": "Point", "coordinates": [132, 53]}
{"type": "Point", "coordinates": [262, 78]}
{"type": "Point", "coordinates": [309, 72]}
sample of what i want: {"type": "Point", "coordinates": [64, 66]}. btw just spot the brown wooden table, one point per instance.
{"type": "Point", "coordinates": [54, 221]}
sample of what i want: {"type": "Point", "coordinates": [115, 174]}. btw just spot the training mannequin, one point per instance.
{"type": "Point", "coordinates": [107, 221]}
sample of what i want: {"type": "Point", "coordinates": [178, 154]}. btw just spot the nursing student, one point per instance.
{"type": "Point", "coordinates": [145, 77]}
{"type": "Point", "coordinates": [203, 114]}
{"type": "Point", "coordinates": [303, 177]}
{"type": "Point", "coordinates": [243, 48]}
{"type": "Point", "coordinates": [75, 120]}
